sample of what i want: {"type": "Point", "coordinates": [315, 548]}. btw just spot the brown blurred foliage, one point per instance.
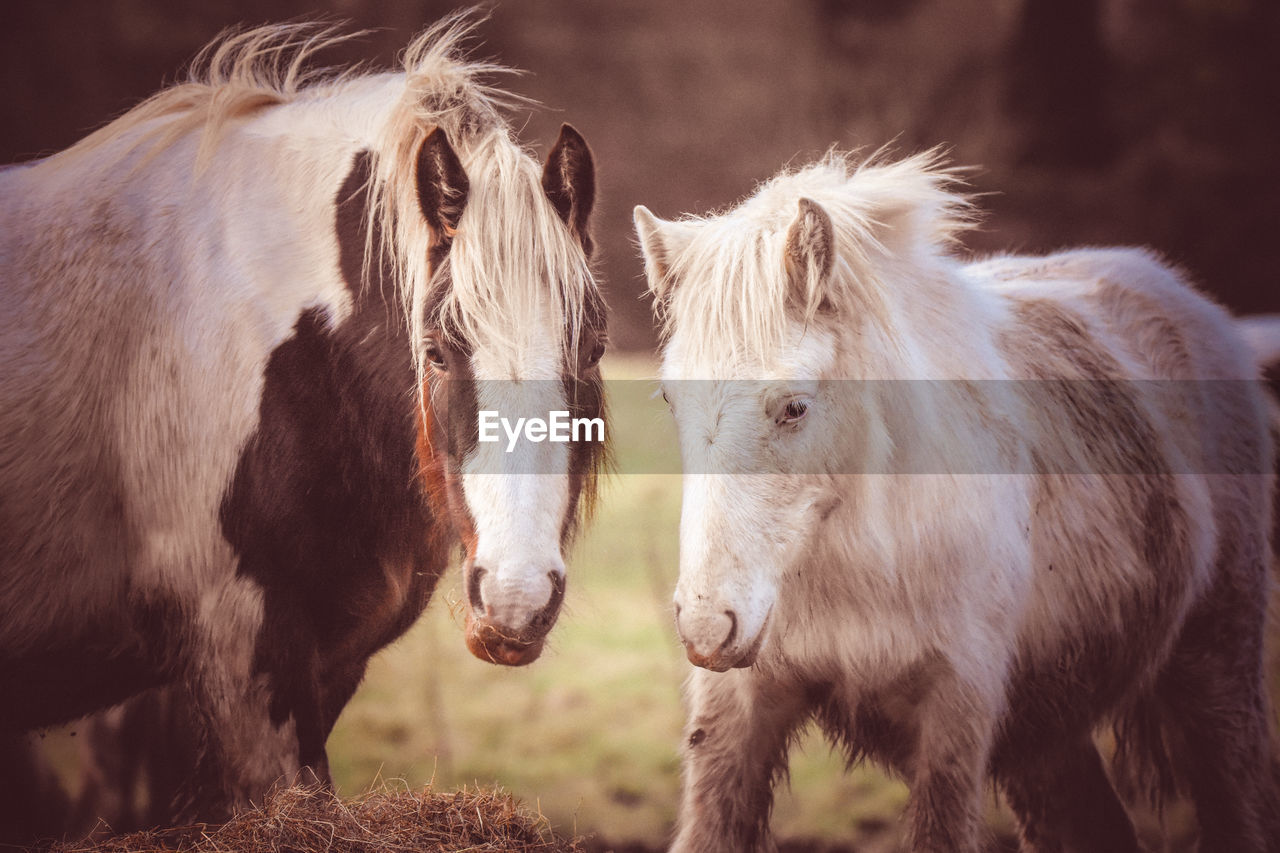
{"type": "Point", "coordinates": [1151, 122]}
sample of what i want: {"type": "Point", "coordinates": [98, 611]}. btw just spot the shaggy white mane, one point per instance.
{"type": "Point", "coordinates": [726, 281]}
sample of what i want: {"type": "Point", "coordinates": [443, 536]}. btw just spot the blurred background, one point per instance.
{"type": "Point", "coordinates": [1153, 122]}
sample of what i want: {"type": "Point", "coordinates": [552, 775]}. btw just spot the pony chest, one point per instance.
{"type": "Point", "coordinates": [848, 639]}
{"type": "Point", "coordinates": [863, 612]}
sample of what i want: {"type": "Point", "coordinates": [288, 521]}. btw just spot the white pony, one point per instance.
{"type": "Point", "coordinates": [244, 332]}
{"type": "Point", "coordinates": [962, 516]}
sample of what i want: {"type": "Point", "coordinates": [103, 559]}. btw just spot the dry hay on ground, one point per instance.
{"type": "Point", "coordinates": [301, 820]}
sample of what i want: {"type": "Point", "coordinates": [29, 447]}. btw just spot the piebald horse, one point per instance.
{"type": "Point", "coordinates": [963, 516]}
{"type": "Point", "coordinates": [244, 333]}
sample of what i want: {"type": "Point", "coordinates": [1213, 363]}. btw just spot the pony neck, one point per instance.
{"type": "Point", "coordinates": [931, 323]}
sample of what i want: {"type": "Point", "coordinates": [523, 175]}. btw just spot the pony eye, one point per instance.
{"type": "Point", "coordinates": [597, 353]}
{"type": "Point", "coordinates": [436, 356]}
{"type": "Point", "coordinates": [794, 411]}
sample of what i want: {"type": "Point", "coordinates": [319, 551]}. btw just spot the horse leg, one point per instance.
{"type": "Point", "coordinates": [1062, 798]}
{"type": "Point", "coordinates": [33, 804]}
{"type": "Point", "coordinates": [109, 759]}
{"type": "Point", "coordinates": [948, 768]}
{"type": "Point", "coordinates": [248, 747]}
{"type": "Point", "coordinates": [1213, 692]}
{"type": "Point", "coordinates": [248, 732]}
{"type": "Point", "coordinates": [735, 743]}
{"type": "Point", "coordinates": [170, 752]}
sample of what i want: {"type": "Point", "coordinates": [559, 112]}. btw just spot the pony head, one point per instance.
{"type": "Point", "coordinates": [764, 306]}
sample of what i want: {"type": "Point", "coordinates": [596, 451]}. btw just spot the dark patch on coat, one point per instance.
{"type": "Point", "coordinates": [449, 433]}
{"type": "Point", "coordinates": [569, 181]}
{"type": "Point", "coordinates": [883, 727]}
{"type": "Point", "coordinates": [326, 511]}
{"type": "Point", "coordinates": [1064, 800]}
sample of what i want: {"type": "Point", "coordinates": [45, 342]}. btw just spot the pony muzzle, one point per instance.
{"type": "Point", "coordinates": [714, 640]}
{"type": "Point", "coordinates": [502, 626]}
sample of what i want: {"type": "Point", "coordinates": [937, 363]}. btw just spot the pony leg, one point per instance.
{"type": "Point", "coordinates": [735, 743]}
{"type": "Point", "coordinates": [1063, 800]}
{"type": "Point", "coordinates": [948, 769]}
{"type": "Point", "coordinates": [1214, 694]}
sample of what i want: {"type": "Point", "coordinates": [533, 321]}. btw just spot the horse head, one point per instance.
{"type": "Point", "coordinates": [513, 331]}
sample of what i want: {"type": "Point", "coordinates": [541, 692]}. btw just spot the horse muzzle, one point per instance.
{"type": "Point", "coordinates": [501, 626]}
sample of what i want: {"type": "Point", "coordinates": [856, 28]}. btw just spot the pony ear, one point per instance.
{"type": "Point", "coordinates": [569, 180]}
{"type": "Point", "coordinates": [810, 253]}
{"type": "Point", "coordinates": [660, 240]}
{"type": "Point", "coordinates": [442, 186]}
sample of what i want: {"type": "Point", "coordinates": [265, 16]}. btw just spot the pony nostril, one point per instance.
{"type": "Point", "coordinates": [557, 591]}
{"type": "Point", "coordinates": [733, 630]}
{"type": "Point", "coordinates": [473, 590]}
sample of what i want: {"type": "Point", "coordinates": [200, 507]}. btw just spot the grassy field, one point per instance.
{"type": "Point", "coordinates": [589, 733]}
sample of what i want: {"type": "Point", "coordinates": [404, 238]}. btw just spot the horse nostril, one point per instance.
{"type": "Point", "coordinates": [546, 617]}
{"type": "Point", "coordinates": [473, 590]}
{"type": "Point", "coordinates": [733, 629]}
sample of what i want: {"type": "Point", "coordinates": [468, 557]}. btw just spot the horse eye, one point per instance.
{"type": "Point", "coordinates": [794, 411]}
{"type": "Point", "coordinates": [597, 353]}
{"type": "Point", "coordinates": [435, 356]}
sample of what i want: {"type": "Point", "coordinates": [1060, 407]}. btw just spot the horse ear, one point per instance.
{"type": "Point", "coordinates": [660, 240]}
{"type": "Point", "coordinates": [810, 253]}
{"type": "Point", "coordinates": [569, 180]}
{"type": "Point", "coordinates": [442, 185]}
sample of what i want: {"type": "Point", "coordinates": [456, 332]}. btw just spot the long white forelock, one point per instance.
{"type": "Point", "coordinates": [511, 255]}
{"type": "Point", "coordinates": [731, 287]}
{"type": "Point", "coordinates": [512, 258]}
